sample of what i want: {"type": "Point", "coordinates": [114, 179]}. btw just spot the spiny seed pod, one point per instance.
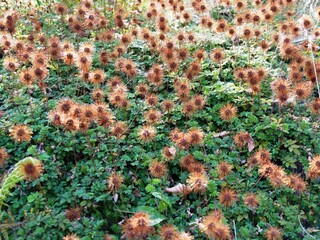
{"type": "Point", "coordinates": [168, 231]}
{"type": "Point", "coordinates": [21, 133]}
{"type": "Point", "coordinates": [73, 214]}
{"type": "Point", "coordinates": [213, 226]}
{"type": "Point", "coordinates": [273, 233]}
{"type": "Point", "coordinates": [115, 181]}
{"type": "Point", "coordinates": [147, 133]}
{"type": "Point", "coordinates": [251, 200]}
{"type": "Point", "coordinates": [228, 112]}
{"type": "Point", "coordinates": [198, 182]}
{"type": "Point", "coordinates": [227, 197]}
{"type": "Point", "coordinates": [30, 168]}
{"type": "Point", "coordinates": [224, 169]}
{"type": "Point", "coordinates": [157, 169]}
{"type": "Point", "coordinates": [71, 237]}
{"type": "Point", "coordinates": [137, 227]}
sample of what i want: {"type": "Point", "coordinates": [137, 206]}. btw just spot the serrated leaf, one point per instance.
{"type": "Point", "coordinates": [150, 188]}
{"type": "Point", "coordinates": [162, 198]}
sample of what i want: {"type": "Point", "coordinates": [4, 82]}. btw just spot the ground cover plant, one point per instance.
{"type": "Point", "coordinates": [160, 119]}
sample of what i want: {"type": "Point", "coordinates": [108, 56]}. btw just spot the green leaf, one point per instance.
{"type": "Point", "coordinates": [32, 150]}
{"type": "Point", "coordinates": [156, 221]}
{"type": "Point", "coordinates": [150, 188]}
{"type": "Point", "coordinates": [155, 216]}
{"type": "Point", "coordinates": [162, 198]}
{"type": "Point", "coordinates": [198, 155]}
{"type": "Point", "coordinates": [31, 198]}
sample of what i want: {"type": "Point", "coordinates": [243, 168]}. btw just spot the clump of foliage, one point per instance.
{"type": "Point", "coordinates": [160, 120]}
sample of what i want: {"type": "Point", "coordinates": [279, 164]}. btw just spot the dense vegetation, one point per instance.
{"type": "Point", "coordinates": [164, 119]}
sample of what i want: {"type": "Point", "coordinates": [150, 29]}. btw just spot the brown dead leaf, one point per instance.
{"type": "Point", "coordinates": [179, 188]}
{"type": "Point", "coordinates": [251, 144]}
{"type": "Point", "coordinates": [221, 134]}
{"type": "Point", "coordinates": [172, 150]}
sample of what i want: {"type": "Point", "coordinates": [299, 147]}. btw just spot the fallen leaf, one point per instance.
{"type": "Point", "coordinates": [221, 134]}
{"type": "Point", "coordinates": [251, 144]}
{"type": "Point", "coordinates": [115, 197]}
{"type": "Point", "coordinates": [179, 188]}
{"type": "Point", "coordinates": [172, 150]}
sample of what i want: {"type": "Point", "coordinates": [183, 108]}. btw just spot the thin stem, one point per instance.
{"type": "Point", "coordinates": [249, 52]}
{"type": "Point", "coordinates": [303, 229]}
{"type": "Point", "coordinates": [282, 117]}
{"type": "Point", "coordinates": [45, 197]}
{"type": "Point", "coordinates": [315, 132]}
{"type": "Point", "coordinates": [313, 63]}
{"type": "Point", "coordinates": [104, 8]}
{"type": "Point", "coordinates": [74, 151]}
{"type": "Point", "coordinates": [220, 71]}
{"type": "Point", "coordinates": [91, 150]}
{"type": "Point", "coordinates": [252, 215]}
{"type": "Point", "coordinates": [122, 211]}
{"type": "Point", "coordinates": [235, 230]}
{"type": "Point", "coordinates": [299, 122]}
{"type": "Point", "coordinates": [199, 203]}
{"type": "Point", "coordinates": [31, 108]}
{"type": "Point", "coordinates": [252, 103]}
{"type": "Point", "coordinates": [255, 183]}
{"type": "Point", "coordinates": [117, 158]}
{"type": "Point", "coordinates": [204, 150]}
